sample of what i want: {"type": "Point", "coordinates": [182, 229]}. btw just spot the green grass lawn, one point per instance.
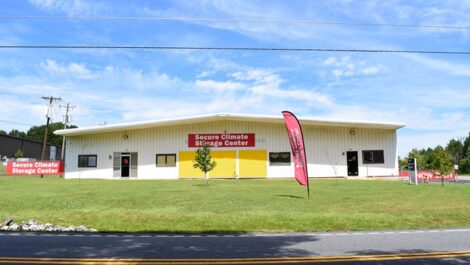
{"type": "Point", "coordinates": [234, 206]}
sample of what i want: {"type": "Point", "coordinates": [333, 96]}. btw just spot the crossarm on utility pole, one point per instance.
{"type": "Point", "coordinates": [44, 143]}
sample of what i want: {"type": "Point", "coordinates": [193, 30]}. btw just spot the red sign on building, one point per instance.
{"type": "Point", "coordinates": [35, 168]}
{"type": "Point", "coordinates": [222, 140]}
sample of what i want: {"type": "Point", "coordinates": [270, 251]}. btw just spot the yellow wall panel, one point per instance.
{"type": "Point", "coordinates": [252, 163]}
{"type": "Point", "coordinates": [226, 164]}
{"type": "Point", "coordinates": [186, 169]}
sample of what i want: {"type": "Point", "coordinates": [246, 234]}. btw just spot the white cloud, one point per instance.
{"type": "Point", "coordinates": [25, 86]}
{"type": "Point", "coordinates": [92, 96]}
{"type": "Point", "coordinates": [80, 70]}
{"type": "Point", "coordinates": [346, 67]}
{"type": "Point", "coordinates": [70, 7]}
{"type": "Point", "coordinates": [268, 32]}
{"type": "Point", "coordinates": [219, 86]}
{"type": "Point", "coordinates": [253, 90]}
{"type": "Point", "coordinates": [139, 108]}
{"type": "Point", "coordinates": [268, 84]}
{"type": "Point", "coordinates": [12, 106]}
{"type": "Point", "coordinates": [447, 97]}
{"type": "Point", "coordinates": [110, 77]}
{"type": "Point", "coordinates": [204, 74]}
{"type": "Point", "coordinates": [441, 65]}
{"type": "Point", "coordinates": [417, 118]}
{"type": "Point", "coordinates": [371, 70]}
{"type": "Point", "coordinates": [330, 61]}
{"type": "Point", "coordinates": [312, 98]}
{"type": "Point", "coordinates": [52, 67]}
{"type": "Point", "coordinates": [44, 3]}
{"type": "Point", "coordinates": [259, 76]}
{"type": "Point", "coordinates": [338, 72]}
{"type": "Point", "coordinates": [73, 69]}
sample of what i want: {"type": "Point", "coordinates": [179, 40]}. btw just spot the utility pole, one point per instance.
{"type": "Point", "coordinates": [66, 120]}
{"type": "Point", "coordinates": [44, 143]}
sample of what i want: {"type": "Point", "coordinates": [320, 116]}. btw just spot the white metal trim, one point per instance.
{"type": "Point", "coordinates": [226, 116]}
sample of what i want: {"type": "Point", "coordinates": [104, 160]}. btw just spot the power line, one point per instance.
{"type": "Point", "coordinates": [14, 122]}
{"type": "Point", "coordinates": [240, 20]}
{"type": "Point", "coordinates": [229, 49]}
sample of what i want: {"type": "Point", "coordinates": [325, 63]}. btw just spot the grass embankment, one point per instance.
{"type": "Point", "coordinates": [234, 206]}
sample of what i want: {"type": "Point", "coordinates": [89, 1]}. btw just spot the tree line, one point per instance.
{"type": "Point", "coordinates": [456, 152]}
{"type": "Point", "coordinates": [36, 133]}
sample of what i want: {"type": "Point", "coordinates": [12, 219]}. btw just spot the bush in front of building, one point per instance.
{"type": "Point", "coordinates": [18, 154]}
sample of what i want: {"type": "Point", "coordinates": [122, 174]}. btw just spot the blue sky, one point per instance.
{"type": "Point", "coordinates": [429, 93]}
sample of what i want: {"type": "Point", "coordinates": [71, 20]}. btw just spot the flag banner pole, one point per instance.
{"type": "Point", "coordinates": [296, 139]}
{"type": "Point", "coordinates": [308, 187]}
{"type": "Point", "coordinates": [305, 156]}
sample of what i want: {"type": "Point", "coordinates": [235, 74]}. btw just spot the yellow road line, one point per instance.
{"type": "Point", "coordinates": [280, 260]}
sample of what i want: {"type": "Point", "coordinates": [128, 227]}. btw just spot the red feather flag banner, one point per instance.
{"type": "Point", "coordinates": [296, 139]}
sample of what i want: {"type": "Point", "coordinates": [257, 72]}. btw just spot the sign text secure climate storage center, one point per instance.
{"type": "Point", "coordinates": [244, 146]}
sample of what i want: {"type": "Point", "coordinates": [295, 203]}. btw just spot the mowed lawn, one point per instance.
{"type": "Point", "coordinates": [230, 206]}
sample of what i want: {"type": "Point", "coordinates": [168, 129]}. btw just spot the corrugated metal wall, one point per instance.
{"type": "Point", "coordinates": [326, 148]}
{"type": "Point", "coordinates": [31, 149]}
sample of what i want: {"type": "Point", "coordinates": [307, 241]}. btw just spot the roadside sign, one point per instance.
{"type": "Point", "coordinates": [35, 168]}
{"type": "Point", "coordinates": [412, 171]}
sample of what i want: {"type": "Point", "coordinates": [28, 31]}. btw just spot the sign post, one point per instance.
{"type": "Point", "coordinates": [412, 171]}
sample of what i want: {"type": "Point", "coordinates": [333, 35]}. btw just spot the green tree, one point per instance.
{"type": "Point", "coordinates": [466, 146]}
{"type": "Point", "coordinates": [464, 161]}
{"type": "Point", "coordinates": [3, 132]}
{"type": "Point", "coordinates": [464, 165]}
{"type": "Point", "coordinates": [17, 133]}
{"type": "Point", "coordinates": [18, 154]}
{"type": "Point", "coordinates": [458, 150]}
{"type": "Point", "coordinates": [203, 161]}
{"type": "Point", "coordinates": [403, 163]}
{"type": "Point", "coordinates": [442, 163]}
{"type": "Point", "coordinates": [455, 149]}
{"type": "Point", "coordinates": [37, 133]}
{"type": "Point", "coordinates": [420, 158]}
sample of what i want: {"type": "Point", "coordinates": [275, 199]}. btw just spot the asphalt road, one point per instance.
{"type": "Point", "coordinates": [389, 247]}
{"type": "Point", "coordinates": [463, 179]}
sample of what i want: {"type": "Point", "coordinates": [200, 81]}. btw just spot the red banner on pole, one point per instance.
{"type": "Point", "coordinates": [294, 131]}
{"type": "Point", "coordinates": [35, 168]}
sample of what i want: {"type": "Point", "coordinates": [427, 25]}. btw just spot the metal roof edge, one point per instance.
{"type": "Point", "coordinates": [218, 116]}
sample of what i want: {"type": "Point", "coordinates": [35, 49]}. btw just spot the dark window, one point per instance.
{"type": "Point", "coordinates": [165, 160]}
{"type": "Point", "coordinates": [373, 156]}
{"type": "Point", "coordinates": [279, 158]}
{"type": "Point", "coordinates": [87, 160]}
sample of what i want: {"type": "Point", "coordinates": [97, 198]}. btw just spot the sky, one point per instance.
{"type": "Point", "coordinates": [429, 93]}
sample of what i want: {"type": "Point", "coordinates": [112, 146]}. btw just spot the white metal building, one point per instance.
{"type": "Point", "coordinates": [244, 146]}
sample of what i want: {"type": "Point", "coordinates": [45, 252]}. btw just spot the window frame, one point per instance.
{"type": "Point", "coordinates": [166, 160]}
{"type": "Point", "coordinates": [87, 162]}
{"type": "Point", "coordinates": [375, 159]}
{"type": "Point", "coordinates": [279, 163]}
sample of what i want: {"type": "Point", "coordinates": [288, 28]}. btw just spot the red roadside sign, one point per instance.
{"type": "Point", "coordinates": [35, 168]}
